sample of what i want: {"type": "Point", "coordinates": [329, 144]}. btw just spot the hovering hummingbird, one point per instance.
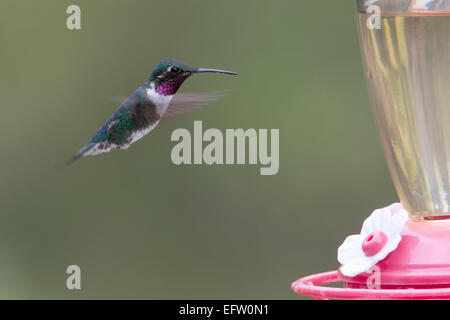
{"type": "Point", "coordinates": [141, 112]}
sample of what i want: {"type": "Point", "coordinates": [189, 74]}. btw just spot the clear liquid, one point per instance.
{"type": "Point", "coordinates": [407, 65]}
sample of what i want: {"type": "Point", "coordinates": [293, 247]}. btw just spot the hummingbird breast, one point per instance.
{"type": "Point", "coordinates": [159, 100]}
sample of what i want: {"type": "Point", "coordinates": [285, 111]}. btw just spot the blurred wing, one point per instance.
{"type": "Point", "coordinates": [119, 99]}
{"type": "Point", "coordinates": [186, 102]}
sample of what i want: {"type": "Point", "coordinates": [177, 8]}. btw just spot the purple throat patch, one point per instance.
{"type": "Point", "coordinates": [169, 87]}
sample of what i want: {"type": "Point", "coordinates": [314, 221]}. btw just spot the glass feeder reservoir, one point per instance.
{"type": "Point", "coordinates": [405, 46]}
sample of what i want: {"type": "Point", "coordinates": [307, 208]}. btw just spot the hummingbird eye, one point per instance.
{"type": "Point", "coordinates": [173, 70]}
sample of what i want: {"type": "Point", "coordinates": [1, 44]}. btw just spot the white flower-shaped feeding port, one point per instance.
{"type": "Point", "coordinates": [380, 235]}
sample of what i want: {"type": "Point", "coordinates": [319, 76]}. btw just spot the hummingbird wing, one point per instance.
{"type": "Point", "coordinates": [186, 102]}
{"type": "Point", "coordinates": [130, 122]}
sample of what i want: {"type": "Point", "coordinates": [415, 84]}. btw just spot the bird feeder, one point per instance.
{"type": "Point", "coordinates": [403, 250]}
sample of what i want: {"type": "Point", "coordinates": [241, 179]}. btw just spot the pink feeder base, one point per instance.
{"type": "Point", "coordinates": [418, 269]}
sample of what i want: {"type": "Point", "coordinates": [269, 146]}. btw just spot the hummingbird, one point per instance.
{"type": "Point", "coordinates": [142, 111]}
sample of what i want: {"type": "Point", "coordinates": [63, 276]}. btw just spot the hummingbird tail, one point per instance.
{"type": "Point", "coordinates": [80, 153]}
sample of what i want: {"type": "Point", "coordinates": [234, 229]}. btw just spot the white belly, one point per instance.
{"type": "Point", "coordinates": [140, 134]}
{"type": "Point", "coordinates": [160, 101]}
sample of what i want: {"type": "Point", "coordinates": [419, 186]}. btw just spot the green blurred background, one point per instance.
{"type": "Point", "coordinates": [141, 227]}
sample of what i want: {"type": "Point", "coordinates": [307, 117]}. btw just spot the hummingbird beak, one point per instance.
{"type": "Point", "coordinates": [201, 70]}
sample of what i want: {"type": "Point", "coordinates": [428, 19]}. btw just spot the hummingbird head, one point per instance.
{"type": "Point", "coordinates": [169, 75]}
